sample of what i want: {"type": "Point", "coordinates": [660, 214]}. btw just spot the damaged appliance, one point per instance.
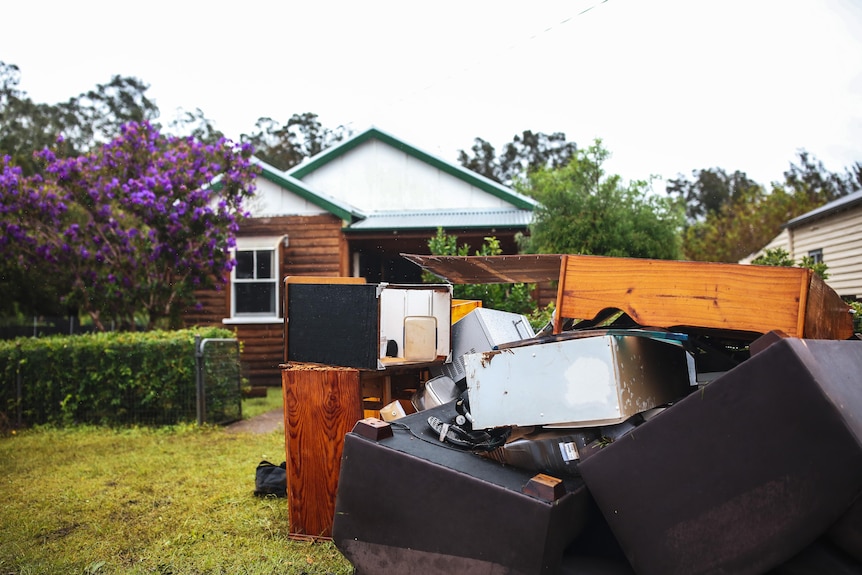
{"type": "Point", "coordinates": [482, 329]}
{"type": "Point", "coordinates": [582, 380]}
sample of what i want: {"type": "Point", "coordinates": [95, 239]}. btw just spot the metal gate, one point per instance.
{"type": "Point", "coordinates": [219, 380]}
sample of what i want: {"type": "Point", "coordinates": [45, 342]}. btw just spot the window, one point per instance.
{"type": "Point", "coordinates": [255, 288]}
{"type": "Point", "coordinates": [816, 256]}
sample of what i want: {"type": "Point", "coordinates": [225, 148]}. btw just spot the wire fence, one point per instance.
{"type": "Point", "coordinates": [218, 388]}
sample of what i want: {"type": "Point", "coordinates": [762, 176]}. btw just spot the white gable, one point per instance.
{"type": "Point", "coordinates": [272, 200]}
{"type": "Point", "coordinates": [378, 177]}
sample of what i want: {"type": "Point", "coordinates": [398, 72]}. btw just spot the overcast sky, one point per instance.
{"type": "Point", "coordinates": [669, 85]}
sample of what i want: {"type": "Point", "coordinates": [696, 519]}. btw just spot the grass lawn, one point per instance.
{"type": "Point", "coordinates": [146, 500]}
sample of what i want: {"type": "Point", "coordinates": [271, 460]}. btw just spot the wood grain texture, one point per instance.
{"type": "Point", "coordinates": [827, 316]}
{"type": "Point", "coordinates": [321, 405]}
{"type": "Point", "coordinates": [661, 293]}
{"type": "Point", "coordinates": [261, 352]}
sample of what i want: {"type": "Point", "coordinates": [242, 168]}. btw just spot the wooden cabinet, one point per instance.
{"type": "Point", "coordinates": [322, 404]}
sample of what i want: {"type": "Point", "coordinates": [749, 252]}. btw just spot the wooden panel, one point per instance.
{"type": "Point", "coordinates": [660, 293]}
{"type": "Point", "coordinates": [490, 269]}
{"type": "Point", "coordinates": [826, 316]}
{"type": "Point", "coordinates": [321, 405]}
{"type": "Point", "coordinates": [314, 249]}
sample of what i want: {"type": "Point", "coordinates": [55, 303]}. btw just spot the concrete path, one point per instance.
{"type": "Point", "coordinates": [263, 423]}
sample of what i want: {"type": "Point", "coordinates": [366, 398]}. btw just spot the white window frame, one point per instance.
{"type": "Point", "coordinates": [816, 255]}
{"type": "Point", "coordinates": [256, 244]}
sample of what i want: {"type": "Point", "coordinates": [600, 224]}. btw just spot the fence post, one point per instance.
{"type": "Point", "coordinates": [202, 383]}
{"type": "Point", "coordinates": [19, 399]}
{"type": "Point", "coordinates": [200, 392]}
{"type": "Point", "coordinates": [19, 388]}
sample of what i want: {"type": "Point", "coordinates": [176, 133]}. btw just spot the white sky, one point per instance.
{"type": "Point", "coordinates": [669, 85]}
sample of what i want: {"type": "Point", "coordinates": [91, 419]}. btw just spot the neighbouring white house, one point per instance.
{"type": "Point", "coordinates": [831, 234]}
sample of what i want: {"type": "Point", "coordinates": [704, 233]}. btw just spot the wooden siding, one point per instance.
{"type": "Point", "coordinates": [545, 293]}
{"type": "Point", "coordinates": [262, 352]}
{"type": "Point", "coordinates": [840, 238]}
{"type": "Point", "coordinates": [213, 304]}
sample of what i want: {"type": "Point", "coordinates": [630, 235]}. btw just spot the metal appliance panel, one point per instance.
{"type": "Point", "coordinates": [576, 383]}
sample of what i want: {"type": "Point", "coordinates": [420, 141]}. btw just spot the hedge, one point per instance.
{"type": "Point", "coordinates": [102, 378]}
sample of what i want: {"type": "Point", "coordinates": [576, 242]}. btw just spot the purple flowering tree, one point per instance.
{"type": "Point", "coordinates": [137, 226]}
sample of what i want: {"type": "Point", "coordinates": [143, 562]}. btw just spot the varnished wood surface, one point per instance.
{"type": "Point", "coordinates": [661, 293]}
{"type": "Point", "coordinates": [322, 404]}
{"type": "Point", "coordinates": [526, 268]}
{"type": "Point", "coordinates": [827, 316]}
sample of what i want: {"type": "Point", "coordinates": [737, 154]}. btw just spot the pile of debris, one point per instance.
{"type": "Point", "coordinates": [619, 445]}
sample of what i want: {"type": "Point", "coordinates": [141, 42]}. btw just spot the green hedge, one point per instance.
{"type": "Point", "coordinates": [104, 378]}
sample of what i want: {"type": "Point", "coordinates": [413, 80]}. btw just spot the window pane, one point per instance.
{"type": "Point", "coordinates": [244, 265]}
{"type": "Point", "coordinates": [255, 298]}
{"type": "Point", "coordinates": [264, 264]}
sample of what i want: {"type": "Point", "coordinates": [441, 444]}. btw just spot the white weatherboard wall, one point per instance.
{"type": "Point", "coordinates": [378, 177]}
{"type": "Point", "coordinates": [272, 200]}
{"type": "Point", "coordinates": [840, 238]}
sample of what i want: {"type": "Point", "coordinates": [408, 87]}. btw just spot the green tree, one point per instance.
{"type": "Point", "coordinates": [585, 211]}
{"type": "Point", "coordinates": [809, 178]}
{"type": "Point", "coordinates": [739, 227]}
{"type": "Point", "coordinates": [84, 121]}
{"type": "Point", "coordinates": [517, 298]}
{"type": "Point", "coordinates": [709, 191]}
{"type": "Point", "coordinates": [731, 217]}
{"type": "Point", "coordinates": [285, 146]}
{"type": "Point", "coordinates": [195, 125]}
{"type": "Point", "coordinates": [526, 153]}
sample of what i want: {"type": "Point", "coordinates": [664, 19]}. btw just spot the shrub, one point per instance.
{"type": "Point", "coordinates": [106, 378]}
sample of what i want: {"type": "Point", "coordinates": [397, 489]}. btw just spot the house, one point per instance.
{"type": "Point", "coordinates": [349, 211]}
{"type": "Point", "coordinates": [831, 234]}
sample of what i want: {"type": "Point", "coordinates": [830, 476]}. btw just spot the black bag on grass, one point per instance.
{"type": "Point", "coordinates": [270, 479]}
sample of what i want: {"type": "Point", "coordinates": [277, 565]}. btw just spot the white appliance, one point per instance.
{"type": "Point", "coordinates": [482, 329]}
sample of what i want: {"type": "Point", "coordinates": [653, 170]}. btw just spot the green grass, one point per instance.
{"type": "Point", "coordinates": [253, 406]}
{"type": "Point", "coordinates": [165, 501]}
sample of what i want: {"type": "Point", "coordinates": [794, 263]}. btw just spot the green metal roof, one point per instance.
{"type": "Point", "coordinates": [447, 219]}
